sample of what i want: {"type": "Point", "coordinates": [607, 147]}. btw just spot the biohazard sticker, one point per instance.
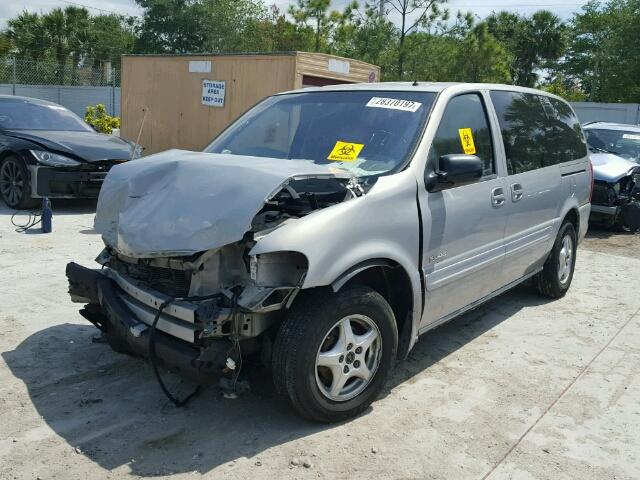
{"type": "Point", "coordinates": [345, 151]}
{"type": "Point", "coordinates": [466, 139]}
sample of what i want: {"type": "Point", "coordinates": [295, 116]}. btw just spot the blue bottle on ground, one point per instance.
{"type": "Point", "coordinates": [47, 215]}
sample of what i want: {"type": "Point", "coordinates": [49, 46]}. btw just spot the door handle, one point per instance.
{"type": "Point", "coordinates": [517, 192]}
{"type": "Point", "coordinates": [497, 197]}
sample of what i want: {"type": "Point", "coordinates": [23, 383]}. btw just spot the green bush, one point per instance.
{"type": "Point", "coordinates": [98, 118]}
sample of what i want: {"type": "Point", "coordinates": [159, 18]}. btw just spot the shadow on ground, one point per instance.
{"type": "Point", "coordinates": [612, 241]}
{"type": "Point", "coordinates": [110, 407]}
{"type": "Point", "coordinates": [598, 231]}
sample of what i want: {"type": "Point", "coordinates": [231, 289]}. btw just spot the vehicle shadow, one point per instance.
{"type": "Point", "coordinates": [603, 232]}
{"type": "Point", "coordinates": [109, 407]}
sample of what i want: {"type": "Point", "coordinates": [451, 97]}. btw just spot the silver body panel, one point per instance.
{"type": "Point", "coordinates": [471, 250]}
{"type": "Point", "coordinates": [610, 168]}
{"type": "Point", "coordinates": [142, 204]}
{"type": "Point", "coordinates": [486, 249]}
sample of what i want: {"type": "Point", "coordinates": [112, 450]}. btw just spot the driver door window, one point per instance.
{"type": "Point", "coordinates": [464, 128]}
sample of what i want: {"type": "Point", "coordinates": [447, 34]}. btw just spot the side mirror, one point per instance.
{"type": "Point", "coordinates": [454, 170]}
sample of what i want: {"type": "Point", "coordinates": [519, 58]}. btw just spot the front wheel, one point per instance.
{"type": "Point", "coordinates": [333, 353]}
{"type": "Point", "coordinates": [15, 189]}
{"type": "Point", "coordinates": [556, 276]}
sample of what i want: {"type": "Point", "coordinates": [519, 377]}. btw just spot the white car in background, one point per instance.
{"type": "Point", "coordinates": [615, 155]}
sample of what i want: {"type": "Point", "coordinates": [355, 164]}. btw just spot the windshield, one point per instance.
{"type": "Point", "coordinates": [17, 114]}
{"type": "Point", "coordinates": [619, 142]}
{"type": "Point", "coordinates": [364, 132]}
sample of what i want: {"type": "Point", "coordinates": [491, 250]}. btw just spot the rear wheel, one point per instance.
{"type": "Point", "coordinates": [15, 189]}
{"type": "Point", "coordinates": [333, 353]}
{"type": "Point", "coordinates": [556, 276]}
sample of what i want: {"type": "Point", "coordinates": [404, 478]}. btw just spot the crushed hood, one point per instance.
{"type": "Point", "coordinates": [610, 168]}
{"type": "Point", "coordinates": [179, 203]}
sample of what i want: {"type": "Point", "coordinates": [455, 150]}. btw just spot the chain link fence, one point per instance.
{"type": "Point", "coordinates": [74, 86]}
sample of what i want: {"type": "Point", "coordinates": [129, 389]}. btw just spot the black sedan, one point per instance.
{"type": "Point", "coordinates": [48, 151]}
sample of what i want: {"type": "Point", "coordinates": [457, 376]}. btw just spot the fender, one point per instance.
{"type": "Point", "coordinates": [377, 229]}
{"type": "Point", "coordinates": [340, 282]}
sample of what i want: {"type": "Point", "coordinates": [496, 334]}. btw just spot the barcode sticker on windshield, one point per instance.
{"type": "Point", "coordinates": [394, 104]}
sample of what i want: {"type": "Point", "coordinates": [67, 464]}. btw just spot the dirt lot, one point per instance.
{"type": "Point", "coordinates": [520, 388]}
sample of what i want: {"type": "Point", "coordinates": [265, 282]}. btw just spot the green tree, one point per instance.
{"type": "Point", "coordinates": [363, 34]}
{"type": "Point", "coordinates": [565, 88]}
{"type": "Point", "coordinates": [170, 26]}
{"type": "Point", "coordinates": [27, 35]}
{"type": "Point", "coordinates": [414, 15]}
{"type": "Point", "coordinates": [57, 38]}
{"type": "Point", "coordinates": [276, 33]}
{"type": "Point", "coordinates": [532, 42]}
{"type": "Point", "coordinates": [603, 56]}
{"type": "Point", "coordinates": [111, 37]}
{"type": "Point", "coordinates": [5, 44]}
{"type": "Point", "coordinates": [192, 26]}
{"type": "Point", "coordinates": [462, 52]}
{"type": "Point", "coordinates": [316, 11]}
{"type": "Point", "coordinates": [78, 26]}
{"type": "Point", "coordinates": [481, 58]}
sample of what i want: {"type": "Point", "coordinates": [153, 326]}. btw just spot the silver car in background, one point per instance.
{"type": "Point", "coordinates": [327, 228]}
{"type": "Point", "coordinates": [615, 155]}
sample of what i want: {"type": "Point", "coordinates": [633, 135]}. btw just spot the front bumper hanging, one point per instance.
{"type": "Point", "coordinates": [124, 313]}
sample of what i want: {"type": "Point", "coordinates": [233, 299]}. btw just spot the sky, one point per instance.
{"type": "Point", "coordinates": [482, 8]}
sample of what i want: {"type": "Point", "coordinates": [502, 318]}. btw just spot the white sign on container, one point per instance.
{"type": "Point", "coordinates": [338, 66]}
{"type": "Point", "coordinates": [213, 93]}
{"type": "Point", "coordinates": [200, 66]}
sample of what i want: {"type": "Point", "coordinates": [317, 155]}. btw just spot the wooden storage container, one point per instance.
{"type": "Point", "coordinates": [163, 102]}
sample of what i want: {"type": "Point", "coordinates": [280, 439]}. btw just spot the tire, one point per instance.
{"type": "Point", "coordinates": [629, 219]}
{"type": "Point", "coordinates": [555, 278]}
{"type": "Point", "coordinates": [313, 333]}
{"type": "Point", "coordinates": [15, 187]}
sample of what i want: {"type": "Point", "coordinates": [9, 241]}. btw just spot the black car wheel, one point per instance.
{"type": "Point", "coordinates": [555, 278]}
{"type": "Point", "coordinates": [15, 189]}
{"type": "Point", "coordinates": [333, 352]}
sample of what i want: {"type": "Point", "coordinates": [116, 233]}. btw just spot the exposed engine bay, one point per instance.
{"type": "Point", "coordinates": [616, 192]}
{"type": "Point", "coordinates": [218, 300]}
{"type": "Point", "coordinates": [257, 285]}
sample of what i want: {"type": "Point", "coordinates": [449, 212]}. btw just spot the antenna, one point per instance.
{"type": "Point", "coordinates": [133, 147]}
{"type": "Point", "coordinates": [415, 83]}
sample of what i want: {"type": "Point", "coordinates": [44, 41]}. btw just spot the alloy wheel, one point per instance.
{"type": "Point", "coordinates": [565, 259]}
{"type": "Point", "coordinates": [12, 182]}
{"type": "Point", "coordinates": [348, 358]}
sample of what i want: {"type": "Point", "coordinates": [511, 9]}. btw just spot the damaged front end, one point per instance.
{"type": "Point", "coordinates": [616, 192]}
{"type": "Point", "coordinates": [220, 300]}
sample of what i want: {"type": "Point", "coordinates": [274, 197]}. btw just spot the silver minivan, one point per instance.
{"type": "Point", "coordinates": [328, 228]}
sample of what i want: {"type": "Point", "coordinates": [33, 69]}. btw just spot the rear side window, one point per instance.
{"type": "Point", "coordinates": [464, 128]}
{"type": "Point", "coordinates": [537, 131]}
{"type": "Point", "coordinates": [568, 138]}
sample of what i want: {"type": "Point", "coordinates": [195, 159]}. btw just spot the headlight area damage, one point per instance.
{"type": "Point", "coordinates": [616, 192]}
{"type": "Point", "coordinates": [180, 227]}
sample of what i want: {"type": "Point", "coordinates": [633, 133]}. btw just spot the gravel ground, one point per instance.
{"type": "Point", "coordinates": [520, 388]}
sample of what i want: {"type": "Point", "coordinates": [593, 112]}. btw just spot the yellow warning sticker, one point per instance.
{"type": "Point", "coordinates": [345, 151]}
{"type": "Point", "coordinates": [466, 138]}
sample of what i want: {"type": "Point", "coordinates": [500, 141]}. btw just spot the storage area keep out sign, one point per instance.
{"type": "Point", "coordinates": [213, 93]}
